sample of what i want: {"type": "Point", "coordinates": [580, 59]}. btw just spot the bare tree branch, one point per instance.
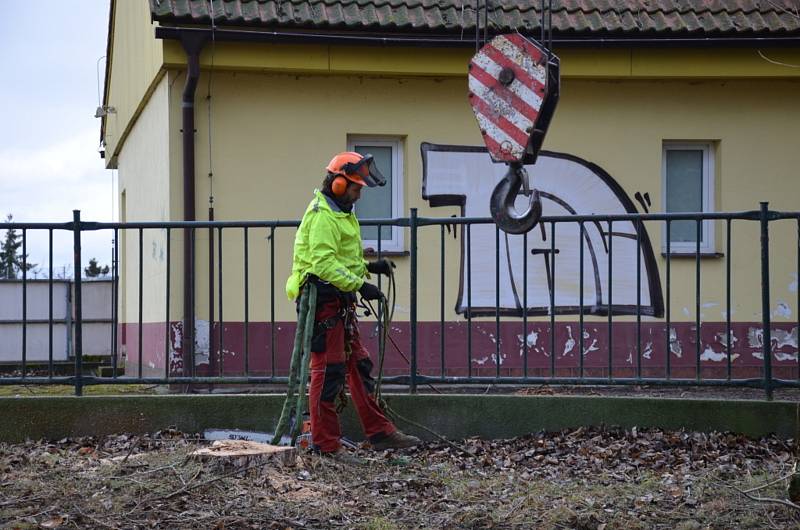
{"type": "Point", "coordinates": [768, 500]}
{"type": "Point", "coordinates": [770, 483]}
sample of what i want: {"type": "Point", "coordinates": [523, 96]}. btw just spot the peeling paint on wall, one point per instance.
{"type": "Point", "coordinates": [529, 341]}
{"type": "Point", "coordinates": [493, 357]}
{"type": "Point", "coordinates": [722, 338]}
{"type": "Point", "coordinates": [536, 358]}
{"type": "Point", "coordinates": [782, 310]}
{"type": "Point", "coordinates": [591, 347]}
{"type": "Point", "coordinates": [710, 355]}
{"type": "Point", "coordinates": [201, 346]}
{"type": "Point", "coordinates": [570, 342]}
{"type": "Point", "coordinates": [202, 342]}
{"type": "Point", "coordinates": [785, 338]}
{"type": "Point", "coordinates": [782, 356]}
{"type": "Point", "coordinates": [176, 339]}
{"type": "Point", "coordinates": [755, 337]}
{"type": "Point", "coordinates": [480, 361]}
{"type": "Point", "coordinates": [793, 284]}
{"type": "Point", "coordinates": [674, 344]}
{"type": "Point", "coordinates": [780, 339]}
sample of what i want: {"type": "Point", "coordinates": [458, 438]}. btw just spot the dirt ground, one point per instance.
{"type": "Point", "coordinates": [584, 479]}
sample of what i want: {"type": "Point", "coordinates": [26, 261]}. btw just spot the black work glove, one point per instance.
{"type": "Point", "coordinates": [370, 292]}
{"type": "Point", "coordinates": [382, 266]}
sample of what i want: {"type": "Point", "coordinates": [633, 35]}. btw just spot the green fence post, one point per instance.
{"type": "Point", "coordinates": [413, 299]}
{"type": "Point", "coordinates": [765, 315]}
{"type": "Point", "coordinates": [76, 237]}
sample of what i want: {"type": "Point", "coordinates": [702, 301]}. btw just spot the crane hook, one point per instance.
{"type": "Point", "coordinates": [504, 196]}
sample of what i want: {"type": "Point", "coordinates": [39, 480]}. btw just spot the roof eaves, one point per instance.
{"type": "Point", "coordinates": [428, 16]}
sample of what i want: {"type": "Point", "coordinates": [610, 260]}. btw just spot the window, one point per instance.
{"type": "Point", "coordinates": [382, 202]}
{"type": "Point", "coordinates": [688, 182]}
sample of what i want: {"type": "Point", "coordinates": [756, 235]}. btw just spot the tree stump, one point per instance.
{"type": "Point", "coordinates": [231, 455]}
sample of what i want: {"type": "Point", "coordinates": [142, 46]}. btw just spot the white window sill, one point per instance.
{"type": "Point", "coordinates": [373, 252]}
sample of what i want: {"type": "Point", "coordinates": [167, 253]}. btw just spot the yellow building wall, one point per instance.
{"type": "Point", "coordinates": [147, 187]}
{"type": "Point", "coordinates": [620, 125]}
{"type": "Point", "coordinates": [273, 134]}
{"type": "Point", "coordinates": [135, 63]}
{"type": "Point", "coordinates": [279, 112]}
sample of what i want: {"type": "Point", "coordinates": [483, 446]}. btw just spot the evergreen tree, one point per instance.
{"type": "Point", "coordinates": [11, 259]}
{"type": "Point", "coordinates": [94, 270]}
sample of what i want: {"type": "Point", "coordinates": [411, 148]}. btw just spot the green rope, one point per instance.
{"type": "Point", "coordinates": [384, 322]}
{"type": "Point", "coordinates": [308, 333]}
{"type": "Point", "coordinates": [300, 346]}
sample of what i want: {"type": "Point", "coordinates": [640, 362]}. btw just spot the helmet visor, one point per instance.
{"type": "Point", "coordinates": [365, 170]}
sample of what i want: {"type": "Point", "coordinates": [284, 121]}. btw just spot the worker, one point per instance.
{"type": "Point", "coordinates": [328, 252]}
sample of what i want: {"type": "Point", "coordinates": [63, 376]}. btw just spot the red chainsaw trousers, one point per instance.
{"type": "Point", "coordinates": [331, 366]}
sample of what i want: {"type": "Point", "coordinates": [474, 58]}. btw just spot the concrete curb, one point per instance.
{"type": "Point", "coordinates": [454, 416]}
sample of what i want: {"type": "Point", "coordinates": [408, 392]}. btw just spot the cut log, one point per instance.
{"type": "Point", "coordinates": [230, 455]}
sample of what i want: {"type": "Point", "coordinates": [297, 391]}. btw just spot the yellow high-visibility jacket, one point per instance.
{"type": "Point", "coordinates": [328, 245]}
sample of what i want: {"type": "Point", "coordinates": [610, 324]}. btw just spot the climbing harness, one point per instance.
{"type": "Point", "coordinates": [296, 402]}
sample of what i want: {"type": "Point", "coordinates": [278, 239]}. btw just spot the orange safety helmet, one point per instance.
{"type": "Point", "coordinates": [354, 167]}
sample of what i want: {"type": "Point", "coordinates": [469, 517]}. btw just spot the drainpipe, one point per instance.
{"type": "Point", "coordinates": [192, 44]}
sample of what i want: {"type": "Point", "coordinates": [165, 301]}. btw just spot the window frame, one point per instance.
{"type": "Point", "coordinates": [396, 243]}
{"type": "Point", "coordinates": [708, 243]}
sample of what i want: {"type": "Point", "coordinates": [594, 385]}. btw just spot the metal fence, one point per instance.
{"type": "Point", "coordinates": [181, 367]}
{"type": "Point", "coordinates": [48, 326]}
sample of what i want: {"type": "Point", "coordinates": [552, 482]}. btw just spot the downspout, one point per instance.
{"type": "Point", "coordinates": [192, 43]}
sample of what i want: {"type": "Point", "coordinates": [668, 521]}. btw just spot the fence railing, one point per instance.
{"type": "Point", "coordinates": [512, 292]}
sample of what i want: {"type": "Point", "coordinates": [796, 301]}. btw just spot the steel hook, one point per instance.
{"type": "Point", "coordinates": [505, 194]}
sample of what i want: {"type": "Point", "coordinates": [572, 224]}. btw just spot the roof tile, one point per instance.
{"type": "Point", "coordinates": [674, 17]}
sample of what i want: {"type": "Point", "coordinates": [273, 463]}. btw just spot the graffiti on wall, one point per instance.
{"type": "Point", "coordinates": [542, 269]}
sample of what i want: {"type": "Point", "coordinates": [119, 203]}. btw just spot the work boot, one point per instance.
{"type": "Point", "coordinates": [343, 456]}
{"type": "Point", "coordinates": [396, 440]}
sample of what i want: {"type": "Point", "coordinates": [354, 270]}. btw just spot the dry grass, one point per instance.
{"type": "Point", "coordinates": [64, 390]}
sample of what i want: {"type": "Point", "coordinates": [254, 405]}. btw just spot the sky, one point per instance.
{"type": "Point", "coordinates": [50, 55]}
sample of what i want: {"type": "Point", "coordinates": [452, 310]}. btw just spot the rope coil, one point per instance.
{"type": "Point", "coordinates": [301, 355]}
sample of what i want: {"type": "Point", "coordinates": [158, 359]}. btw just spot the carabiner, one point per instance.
{"type": "Point", "coordinates": [505, 194]}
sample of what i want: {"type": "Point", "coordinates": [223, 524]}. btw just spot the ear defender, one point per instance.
{"type": "Point", "coordinates": [339, 186]}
